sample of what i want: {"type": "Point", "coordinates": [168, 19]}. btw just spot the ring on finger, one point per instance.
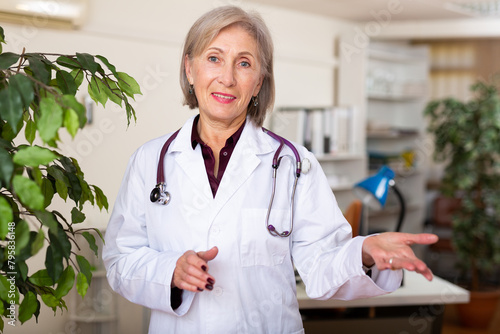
{"type": "Point", "coordinates": [390, 262]}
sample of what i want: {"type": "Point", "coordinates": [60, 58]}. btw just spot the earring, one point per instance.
{"type": "Point", "coordinates": [255, 100]}
{"type": "Point", "coordinates": [191, 89]}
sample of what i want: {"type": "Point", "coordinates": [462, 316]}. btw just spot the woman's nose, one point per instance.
{"type": "Point", "coordinates": [226, 76]}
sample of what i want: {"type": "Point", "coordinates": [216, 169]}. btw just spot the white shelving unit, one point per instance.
{"type": "Point", "coordinates": [344, 167]}
{"type": "Point", "coordinates": [396, 94]}
{"type": "Point", "coordinates": [387, 85]}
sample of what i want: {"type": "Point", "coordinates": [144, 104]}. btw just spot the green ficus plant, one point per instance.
{"type": "Point", "coordinates": [37, 100]}
{"type": "Point", "coordinates": [467, 140]}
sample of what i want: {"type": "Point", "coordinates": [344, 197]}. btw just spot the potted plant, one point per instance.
{"type": "Point", "coordinates": [467, 140]}
{"type": "Point", "coordinates": [38, 99]}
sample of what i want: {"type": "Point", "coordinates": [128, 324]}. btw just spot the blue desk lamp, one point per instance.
{"type": "Point", "coordinates": [373, 191]}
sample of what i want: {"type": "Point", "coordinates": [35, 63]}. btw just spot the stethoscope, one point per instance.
{"type": "Point", "coordinates": [160, 195]}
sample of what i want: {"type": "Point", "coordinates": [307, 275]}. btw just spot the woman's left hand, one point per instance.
{"type": "Point", "coordinates": [391, 250]}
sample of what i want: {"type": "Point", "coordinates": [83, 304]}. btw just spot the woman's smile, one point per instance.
{"type": "Point", "coordinates": [223, 98]}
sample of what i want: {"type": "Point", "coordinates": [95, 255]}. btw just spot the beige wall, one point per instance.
{"type": "Point", "coordinates": [144, 39]}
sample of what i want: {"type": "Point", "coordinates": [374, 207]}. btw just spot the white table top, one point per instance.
{"type": "Point", "coordinates": [415, 291]}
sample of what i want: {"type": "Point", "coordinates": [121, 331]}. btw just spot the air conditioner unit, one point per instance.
{"type": "Point", "coordinates": [44, 13]}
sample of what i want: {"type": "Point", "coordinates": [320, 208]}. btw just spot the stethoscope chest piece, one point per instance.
{"type": "Point", "coordinates": [159, 194]}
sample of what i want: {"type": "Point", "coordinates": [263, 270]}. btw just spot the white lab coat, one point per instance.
{"type": "Point", "coordinates": [255, 284]}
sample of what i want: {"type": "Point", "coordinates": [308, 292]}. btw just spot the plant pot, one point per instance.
{"type": "Point", "coordinates": [479, 312]}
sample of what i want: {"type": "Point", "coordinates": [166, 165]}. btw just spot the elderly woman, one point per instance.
{"type": "Point", "coordinates": [206, 262]}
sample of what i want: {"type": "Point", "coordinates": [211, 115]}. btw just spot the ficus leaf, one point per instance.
{"type": "Point", "coordinates": [87, 194]}
{"type": "Point", "coordinates": [2, 36]}
{"type": "Point", "coordinates": [70, 102]}
{"type": "Point", "coordinates": [23, 269]}
{"type": "Point", "coordinates": [65, 283]}
{"type": "Point", "coordinates": [60, 242]}
{"type": "Point", "coordinates": [113, 92]}
{"type": "Point", "coordinates": [71, 122]}
{"type": "Point", "coordinates": [100, 198]}
{"type": "Point", "coordinates": [81, 284]}
{"type": "Point", "coordinates": [11, 107]}
{"type": "Point", "coordinates": [6, 166]}
{"type": "Point", "coordinates": [38, 242]}
{"type": "Point", "coordinates": [47, 191]}
{"type": "Point", "coordinates": [41, 278]}
{"type": "Point", "coordinates": [6, 217]}
{"type": "Point", "coordinates": [77, 75]}
{"type": "Point", "coordinates": [97, 92]}
{"type": "Point", "coordinates": [53, 263]}
{"type": "Point", "coordinates": [68, 164]}
{"type": "Point", "coordinates": [47, 219]}
{"type": "Point", "coordinates": [50, 300]}
{"type": "Point", "coordinates": [51, 119]}
{"type": "Point", "coordinates": [28, 192]}
{"type": "Point", "coordinates": [87, 61]}
{"type": "Point", "coordinates": [99, 233]}
{"type": "Point", "coordinates": [66, 82]}
{"type": "Point", "coordinates": [77, 216]}
{"type": "Point", "coordinates": [25, 88]}
{"type": "Point", "coordinates": [84, 266]}
{"type": "Point", "coordinates": [7, 59]}
{"type": "Point", "coordinates": [75, 189]}
{"type": "Point", "coordinates": [91, 241]}
{"type": "Point", "coordinates": [39, 69]}
{"type": "Point", "coordinates": [28, 307]}
{"type": "Point", "coordinates": [105, 61]}
{"type": "Point", "coordinates": [22, 233]}
{"type": "Point", "coordinates": [30, 131]}
{"type": "Point", "coordinates": [36, 175]}
{"type": "Point", "coordinates": [4, 288]}
{"type": "Point", "coordinates": [62, 182]}
{"type": "Point", "coordinates": [68, 62]}
{"type": "Point", "coordinates": [128, 84]}
{"type": "Point", "coordinates": [34, 156]}
{"type": "Point", "coordinates": [130, 111]}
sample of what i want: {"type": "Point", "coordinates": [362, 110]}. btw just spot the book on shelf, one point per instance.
{"type": "Point", "coordinates": [323, 131]}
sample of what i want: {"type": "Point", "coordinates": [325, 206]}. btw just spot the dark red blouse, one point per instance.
{"type": "Point", "coordinates": [208, 155]}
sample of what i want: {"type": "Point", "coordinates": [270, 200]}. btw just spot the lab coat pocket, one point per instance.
{"type": "Point", "coordinates": [258, 247]}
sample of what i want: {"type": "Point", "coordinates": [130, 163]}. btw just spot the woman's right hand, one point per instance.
{"type": "Point", "coordinates": [191, 271]}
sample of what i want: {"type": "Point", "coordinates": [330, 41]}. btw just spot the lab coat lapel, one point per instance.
{"type": "Point", "coordinates": [191, 161]}
{"type": "Point", "coordinates": [244, 160]}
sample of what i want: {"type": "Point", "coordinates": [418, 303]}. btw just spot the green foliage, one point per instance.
{"type": "Point", "coordinates": [467, 140]}
{"type": "Point", "coordinates": [37, 100]}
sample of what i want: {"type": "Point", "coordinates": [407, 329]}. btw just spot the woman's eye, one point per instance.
{"type": "Point", "coordinates": [212, 59]}
{"type": "Point", "coordinates": [245, 64]}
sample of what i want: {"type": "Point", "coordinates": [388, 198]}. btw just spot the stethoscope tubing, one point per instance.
{"type": "Point", "coordinates": [161, 195]}
{"type": "Point", "coordinates": [287, 143]}
{"type": "Point", "coordinates": [160, 176]}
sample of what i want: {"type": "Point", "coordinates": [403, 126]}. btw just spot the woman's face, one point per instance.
{"type": "Point", "coordinates": [226, 75]}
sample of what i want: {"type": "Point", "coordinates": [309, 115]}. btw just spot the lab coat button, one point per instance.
{"type": "Point", "coordinates": [218, 291]}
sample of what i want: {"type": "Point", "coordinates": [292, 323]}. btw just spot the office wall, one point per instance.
{"type": "Point", "coordinates": [144, 39]}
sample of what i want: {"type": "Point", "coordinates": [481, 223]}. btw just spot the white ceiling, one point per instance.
{"type": "Point", "coordinates": [366, 10]}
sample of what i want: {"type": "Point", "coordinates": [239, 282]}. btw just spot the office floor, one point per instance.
{"type": "Point", "coordinates": [451, 324]}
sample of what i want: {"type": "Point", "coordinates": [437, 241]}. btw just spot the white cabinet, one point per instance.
{"type": "Point", "coordinates": [396, 95]}
{"type": "Point", "coordinates": [97, 312]}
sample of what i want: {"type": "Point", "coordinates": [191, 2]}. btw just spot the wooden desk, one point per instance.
{"type": "Point", "coordinates": [416, 307]}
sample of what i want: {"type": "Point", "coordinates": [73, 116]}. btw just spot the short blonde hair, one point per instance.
{"type": "Point", "coordinates": [207, 27]}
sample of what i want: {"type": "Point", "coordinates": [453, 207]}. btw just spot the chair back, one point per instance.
{"type": "Point", "coordinates": [353, 216]}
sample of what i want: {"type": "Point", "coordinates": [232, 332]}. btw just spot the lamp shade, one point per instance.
{"type": "Point", "coordinates": [373, 190]}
